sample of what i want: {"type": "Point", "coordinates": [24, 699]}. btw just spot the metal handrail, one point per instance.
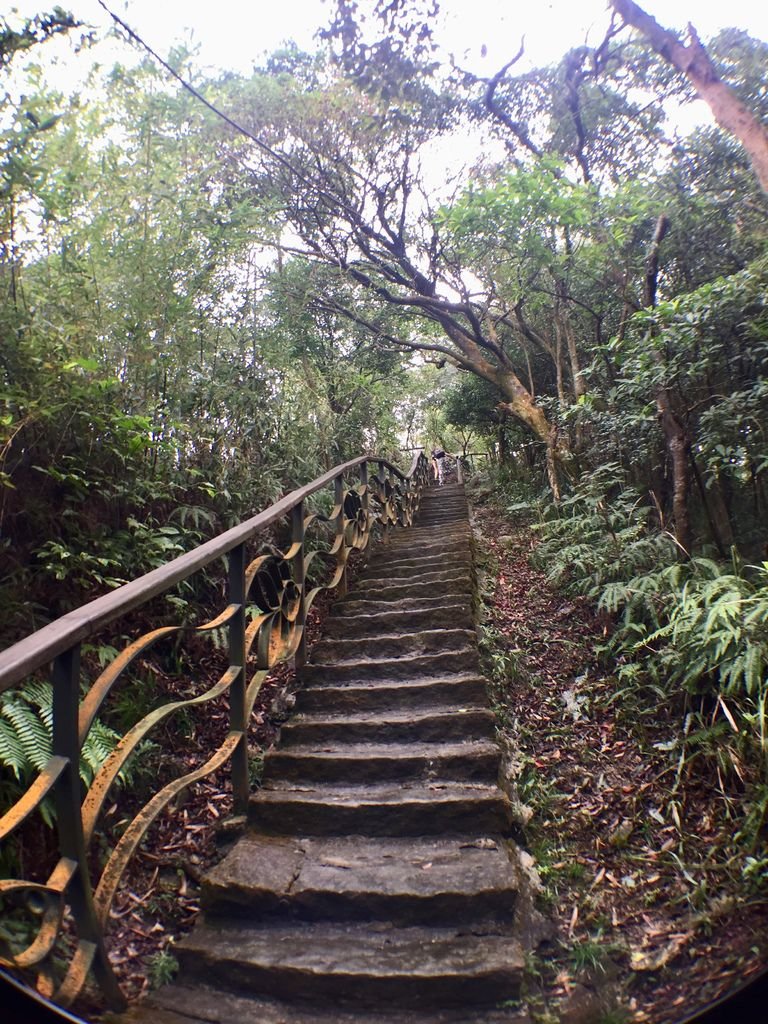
{"type": "Point", "coordinates": [265, 613]}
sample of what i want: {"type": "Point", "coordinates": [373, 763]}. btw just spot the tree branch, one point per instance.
{"type": "Point", "coordinates": [695, 63]}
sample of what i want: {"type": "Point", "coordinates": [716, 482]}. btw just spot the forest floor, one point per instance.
{"type": "Point", "coordinates": [640, 871]}
{"type": "Point", "coordinates": [641, 878]}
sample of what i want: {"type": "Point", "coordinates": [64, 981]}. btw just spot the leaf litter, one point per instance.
{"type": "Point", "coordinates": [641, 868]}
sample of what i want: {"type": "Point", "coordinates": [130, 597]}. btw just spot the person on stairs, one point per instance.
{"type": "Point", "coordinates": [438, 461]}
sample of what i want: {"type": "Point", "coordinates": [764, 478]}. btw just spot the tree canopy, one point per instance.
{"type": "Point", "coordinates": [213, 292]}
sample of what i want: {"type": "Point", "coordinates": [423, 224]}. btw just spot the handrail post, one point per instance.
{"type": "Point", "coordinates": [382, 475]}
{"type": "Point", "coordinates": [237, 659]}
{"type": "Point", "coordinates": [65, 680]}
{"type": "Point", "coordinates": [338, 497]}
{"type": "Point", "coordinates": [300, 579]}
{"type": "Point", "coordinates": [365, 496]}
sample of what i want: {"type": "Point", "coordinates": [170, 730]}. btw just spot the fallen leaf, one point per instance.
{"type": "Point", "coordinates": [574, 919]}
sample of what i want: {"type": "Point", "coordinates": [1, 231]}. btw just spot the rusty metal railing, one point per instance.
{"type": "Point", "coordinates": [265, 614]}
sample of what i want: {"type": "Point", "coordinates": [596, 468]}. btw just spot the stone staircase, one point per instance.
{"type": "Point", "coordinates": [376, 881]}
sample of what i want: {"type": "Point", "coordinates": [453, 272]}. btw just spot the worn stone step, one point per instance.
{"type": "Point", "coordinates": [453, 662]}
{"type": "Point", "coordinates": [381, 810]}
{"type": "Point", "coordinates": [203, 1004]}
{"type": "Point", "coordinates": [392, 645]}
{"type": "Point", "coordinates": [420, 725]}
{"type": "Point", "coordinates": [466, 760]}
{"type": "Point", "coordinates": [410, 589]}
{"type": "Point", "coordinates": [447, 573]}
{"type": "Point", "coordinates": [358, 964]}
{"type": "Point", "coordinates": [457, 692]}
{"type": "Point", "coordinates": [446, 508]}
{"type": "Point", "coordinates": [409, 567]}
{"type": "Point", "coordinates": [361, 605]}
{"type": "Point", "coordinates": [426, 679]}
{"type": "Point", "coordinates": [412, 881]}
{"type": "Point", "coordinates": [425, 536]}
{"type": "Point", "coordinates": [395, 620]}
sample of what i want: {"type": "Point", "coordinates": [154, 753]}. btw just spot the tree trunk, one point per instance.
{"type": "Point", "coordinates": [675, 434]}
{"type": "Point", "coordinates": [678, 446]}
{"type": "Point", "coordinates": [695, 63]}
{"type": "Point", "coordinates": [564, 329]}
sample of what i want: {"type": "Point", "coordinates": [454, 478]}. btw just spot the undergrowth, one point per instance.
{"type": "Point", "coordinates": [686, 638]}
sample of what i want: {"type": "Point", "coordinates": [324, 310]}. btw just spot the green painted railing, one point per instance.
{"type": "Point", "coordinates": [267, 601]}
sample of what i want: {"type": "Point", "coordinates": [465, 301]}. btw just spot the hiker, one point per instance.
{"type": "Point", "coordinates": [438, 457]}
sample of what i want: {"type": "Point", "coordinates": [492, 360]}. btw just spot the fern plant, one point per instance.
{"type": "Point", "coordinates": [26, 737]}
{"type": "Point", "coordinates": [697, 627]}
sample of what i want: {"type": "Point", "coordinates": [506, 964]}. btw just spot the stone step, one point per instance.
{"type": "Point", "coordinates": [358, 964]}
{"type": "Point", "coordinates": [426, 549]}
{"type": "Point", "coordinates": [448, 573]}
{"type": "Point", "coordinates": [374, 683]}
{"type": "Point", "coordinates": [423, 725]}
{"type": "Point", "coordinates": [355, 698]}
{"type": "Point", "coordinates": [432, 570]}
{"type": "Point", "coordinates": [412, 881]}
{"type": "Point", "coordinates": [453, 510]}
{"type": "Point", "coordinates": [393, 645]}
{"type": "Point", "coordinates": [409, 589]}
{"type": "Point", "coordinates": [425, 665]}
{"type": "Point", "coordinates": [381, 810]}
{"type": "Point", "coordinates": [202, 1004]}
{"type": "Point", "coordinates": [406, 561]}
{"type": "Point", "coordinates": [446, 534]}
{"type": "Point", "coordinates": [364, 606]}
{"type": "Point", "coordinates": [467, 760]}
{"type": "Point", "coordinates": [394, 620]}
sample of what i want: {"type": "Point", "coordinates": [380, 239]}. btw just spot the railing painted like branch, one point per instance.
{"type": "Point", "coordinates": [268, 598]}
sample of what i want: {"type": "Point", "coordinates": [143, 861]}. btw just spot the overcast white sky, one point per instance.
{"type": "Point", "coordinates": [233, 34]}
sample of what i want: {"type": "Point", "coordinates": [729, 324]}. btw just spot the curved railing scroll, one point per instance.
{"type": "Point", "coordinates": [269, 596]}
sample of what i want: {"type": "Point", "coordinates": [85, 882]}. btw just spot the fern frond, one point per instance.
{"type": "Point", "coordinates": [11, 751]}
{"type": "Point", "coordinates": [32, 734]}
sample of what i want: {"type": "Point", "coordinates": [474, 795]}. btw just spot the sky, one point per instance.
{"type": "Point", "coordinates": [482, 34]}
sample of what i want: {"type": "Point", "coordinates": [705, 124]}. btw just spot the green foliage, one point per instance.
{"type": "Point", "coordinates": [690, 626]}
{"type": "Point", "coordinates": [161, 968]}
{"type": "Point", "coordinates": [598, 538]}
{"type": "Point", "coordinates": [26, 736]}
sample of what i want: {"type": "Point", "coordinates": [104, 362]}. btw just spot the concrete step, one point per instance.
{"type": "Point", "coordinates": [419, 725]}
{"type": "Point", "coordinates": [412, 881]}
{"type": "Point", "coordinates": [381, 810]}
{"type": "Point", "coordinates": [360, 965]}
{"type": "Point", "coordinates": [466, 760]}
